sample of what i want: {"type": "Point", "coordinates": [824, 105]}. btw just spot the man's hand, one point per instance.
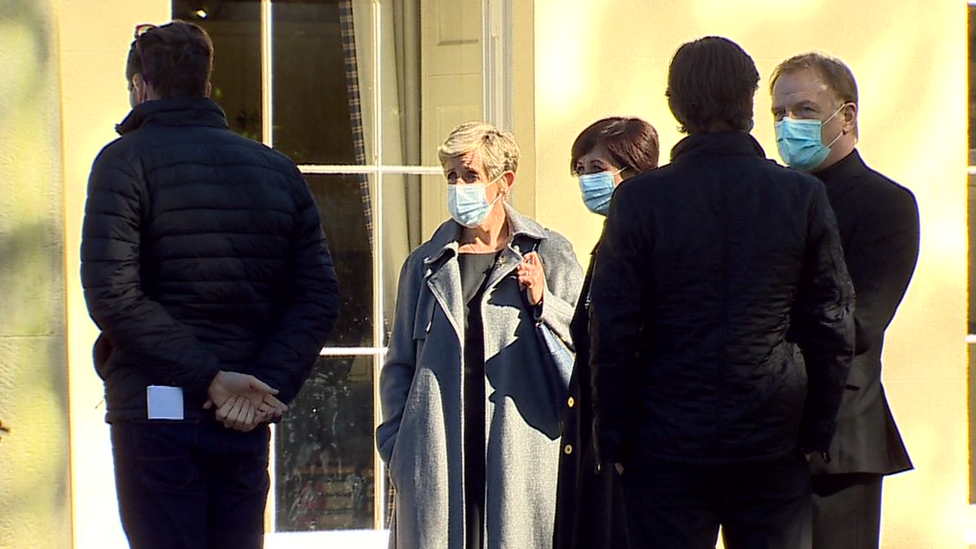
{"type": "Point", "coordinates": [240, 414]}
{"type": "Point", "coordinates": [243, 401]}
{"type": "Point", "coordinates": [237, 413]}
{"type": "Point", "coordinates": [619, 468]}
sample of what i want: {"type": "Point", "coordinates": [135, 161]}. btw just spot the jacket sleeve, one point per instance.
{"type": "Point", "coordinates": [564, 279]}
{"type": "Point", "coordinates": [133, 323]}
{"type": "Point", "coordinates": [309, 306]}
{"type": "Point", "coordinates": [396, 377]}
{"type": "Point", "coordinates": [617, 292]}
{"type": "Point", "coordinates": [881, 260]}
{"type": "Point", "coordinates": [823, 325]}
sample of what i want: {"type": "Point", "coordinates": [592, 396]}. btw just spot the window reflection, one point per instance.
{"type": "Point", "coordinates": [324, 450]}
{"type": "Point", "coordinates": [340, 201]}
{"type": "Point", "coordinates": [234, 27]}
{"type": "Point", "coordinates": [314, 104]}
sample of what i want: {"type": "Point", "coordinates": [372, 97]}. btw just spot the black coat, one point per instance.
{"type": "Point", "coordinates": [201, 251]}
{"type": "Point", "coordinates": [590, 512]}
{"type": "Point", "coordinates": [879, 228]}
{"type": "Point", "coordinates": [705, 265]}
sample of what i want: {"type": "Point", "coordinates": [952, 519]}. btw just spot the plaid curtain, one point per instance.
{"type": "Point", "coordinates": [355, 107]}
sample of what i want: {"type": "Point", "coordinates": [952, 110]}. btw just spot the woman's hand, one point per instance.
{"type": "Point", "coordinates": [531, 277]}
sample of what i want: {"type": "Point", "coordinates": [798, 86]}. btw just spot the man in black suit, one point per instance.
{"type": "Point", "coordinates": [814, 102]}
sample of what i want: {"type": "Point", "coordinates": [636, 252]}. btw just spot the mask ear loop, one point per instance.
{"type": "Point", "coordinates": [831, 144]}
{"type": "Point", "coordinates": [142, 61]}
{"type": "Point", "coordinates": [492, 182]}
{"type": "Point", "coordinates": [141, 31]}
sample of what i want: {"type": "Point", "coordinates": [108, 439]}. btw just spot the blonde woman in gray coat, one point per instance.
{"type": "Point", "coordinates": [470, 400]}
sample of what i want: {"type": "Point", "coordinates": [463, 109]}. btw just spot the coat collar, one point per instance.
{"type": "Point", "coordinates": [721, 143]}
{"type": "Point", "coordinates": [525, 233]}
{"type": "Point", "coordinates": [842, 173]}
{"type": "Point", "coordinates": [178, 111]}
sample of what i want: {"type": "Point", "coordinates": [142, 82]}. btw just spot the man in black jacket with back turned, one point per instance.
{"type": "Point", "coordinates": [205, 267]}
{"type": "Point", "coordinates": [815, 107]}
{"type": "Point", "coordinates": [705, 265]}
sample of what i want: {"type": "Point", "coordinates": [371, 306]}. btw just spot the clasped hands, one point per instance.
{"type": "Point", "coordinates": [243, 401]}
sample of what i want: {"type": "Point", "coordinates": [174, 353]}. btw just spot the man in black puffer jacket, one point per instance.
{"type": "Point", "coordinates": [705, 265]}
{"type": "Point", "coordinates": [205, 267]}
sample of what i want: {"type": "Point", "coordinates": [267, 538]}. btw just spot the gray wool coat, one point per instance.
{"type": "Point", "coordinates": [421, 436]}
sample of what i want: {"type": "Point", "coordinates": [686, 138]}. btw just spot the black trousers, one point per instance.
{"type": "Point", "coordinates": [764, 505]}
{"type": "Point", "coordinates": [190, 485]}
{"type": "Point", "coordinates": [847, 511]}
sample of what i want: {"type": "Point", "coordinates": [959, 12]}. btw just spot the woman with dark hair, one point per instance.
{"type": "Point", "coordinates": [589, 503]}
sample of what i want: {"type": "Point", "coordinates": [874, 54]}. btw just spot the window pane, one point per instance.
{"type": "Point", "coordinates": [324, 450]}
{"type": "Point", "coordinates": [430, 74]}
{"type": "Point", "coordinates": [403, 228]}
{"type": "Point", "coordinates": [235, 28]}
{"type": "Point", "coordinates": [326, 72]}
{"type": "Point", "coordinates": [316, 110]}
{"type": "Point", "coordinates": [343, 204]}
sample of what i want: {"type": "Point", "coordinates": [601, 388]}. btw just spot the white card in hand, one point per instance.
{"type": "Point", "coordinates": [164, 402]}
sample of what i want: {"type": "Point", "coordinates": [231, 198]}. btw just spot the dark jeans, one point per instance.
{"type": "Point", "coordinates": [191, 484]}
{"type": "Point", "coordinates": [847, 511]}
{"type": "Point", "coordinates": [762, 505]}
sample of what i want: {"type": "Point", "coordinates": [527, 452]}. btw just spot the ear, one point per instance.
{"type": "Point", "coordinates": [138, 85]}
{"type": "Point", "coordinates": [849, 117]}
{"type": "Point", "coordinates": [508, 180]}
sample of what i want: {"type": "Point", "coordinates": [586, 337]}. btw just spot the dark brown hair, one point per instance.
{"type": "Point", "coordinates": [711, 81]}
{"type": "Point", "coordinates": [631, 143]}
{"type": "Point", "coordinates": [175, 58]}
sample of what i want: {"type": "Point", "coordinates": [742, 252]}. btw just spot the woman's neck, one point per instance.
{"type": "Point", "coordinates": [490, 236]}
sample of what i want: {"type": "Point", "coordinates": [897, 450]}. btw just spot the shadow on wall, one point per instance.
{"type": "Point", "coordinates": [26, 34]}
{"type": "Point", "coordinates": [34, 479]}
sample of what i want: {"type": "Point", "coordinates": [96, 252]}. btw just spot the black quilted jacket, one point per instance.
{"type": "Point", "coordinates": [705, 266]}
{"type": "Point", "coordinates": [201, 251]}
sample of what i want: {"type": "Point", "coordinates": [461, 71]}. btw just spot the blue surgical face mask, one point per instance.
{"type": "Point", "coordinates": [800, 144]}
{"type": "Point", "coordinates": [469, 204]}
{"type": "Point", "coordinates": [597, 190]}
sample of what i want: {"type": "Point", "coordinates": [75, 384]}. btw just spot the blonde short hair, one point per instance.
{"type": "Point", "coordinates": [499, 152]}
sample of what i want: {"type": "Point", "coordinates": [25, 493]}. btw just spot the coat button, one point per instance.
{"type": "Point", "coordinates": [568, 449]}
{"type": "Point", "coordinates": [571, 402]}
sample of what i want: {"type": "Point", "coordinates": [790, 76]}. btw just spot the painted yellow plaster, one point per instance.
{"type": "Point", "coordinates": [34, 466]}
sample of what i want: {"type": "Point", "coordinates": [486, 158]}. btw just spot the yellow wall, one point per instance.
{"type": "Point", "coordinates": [599, 58]}
{"type": "Point", "coordinates": [34, 474]}
{"type": "Point", "coordinates": [95, 39]}
{"type": "Point", "coordinates": [523, 107]}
